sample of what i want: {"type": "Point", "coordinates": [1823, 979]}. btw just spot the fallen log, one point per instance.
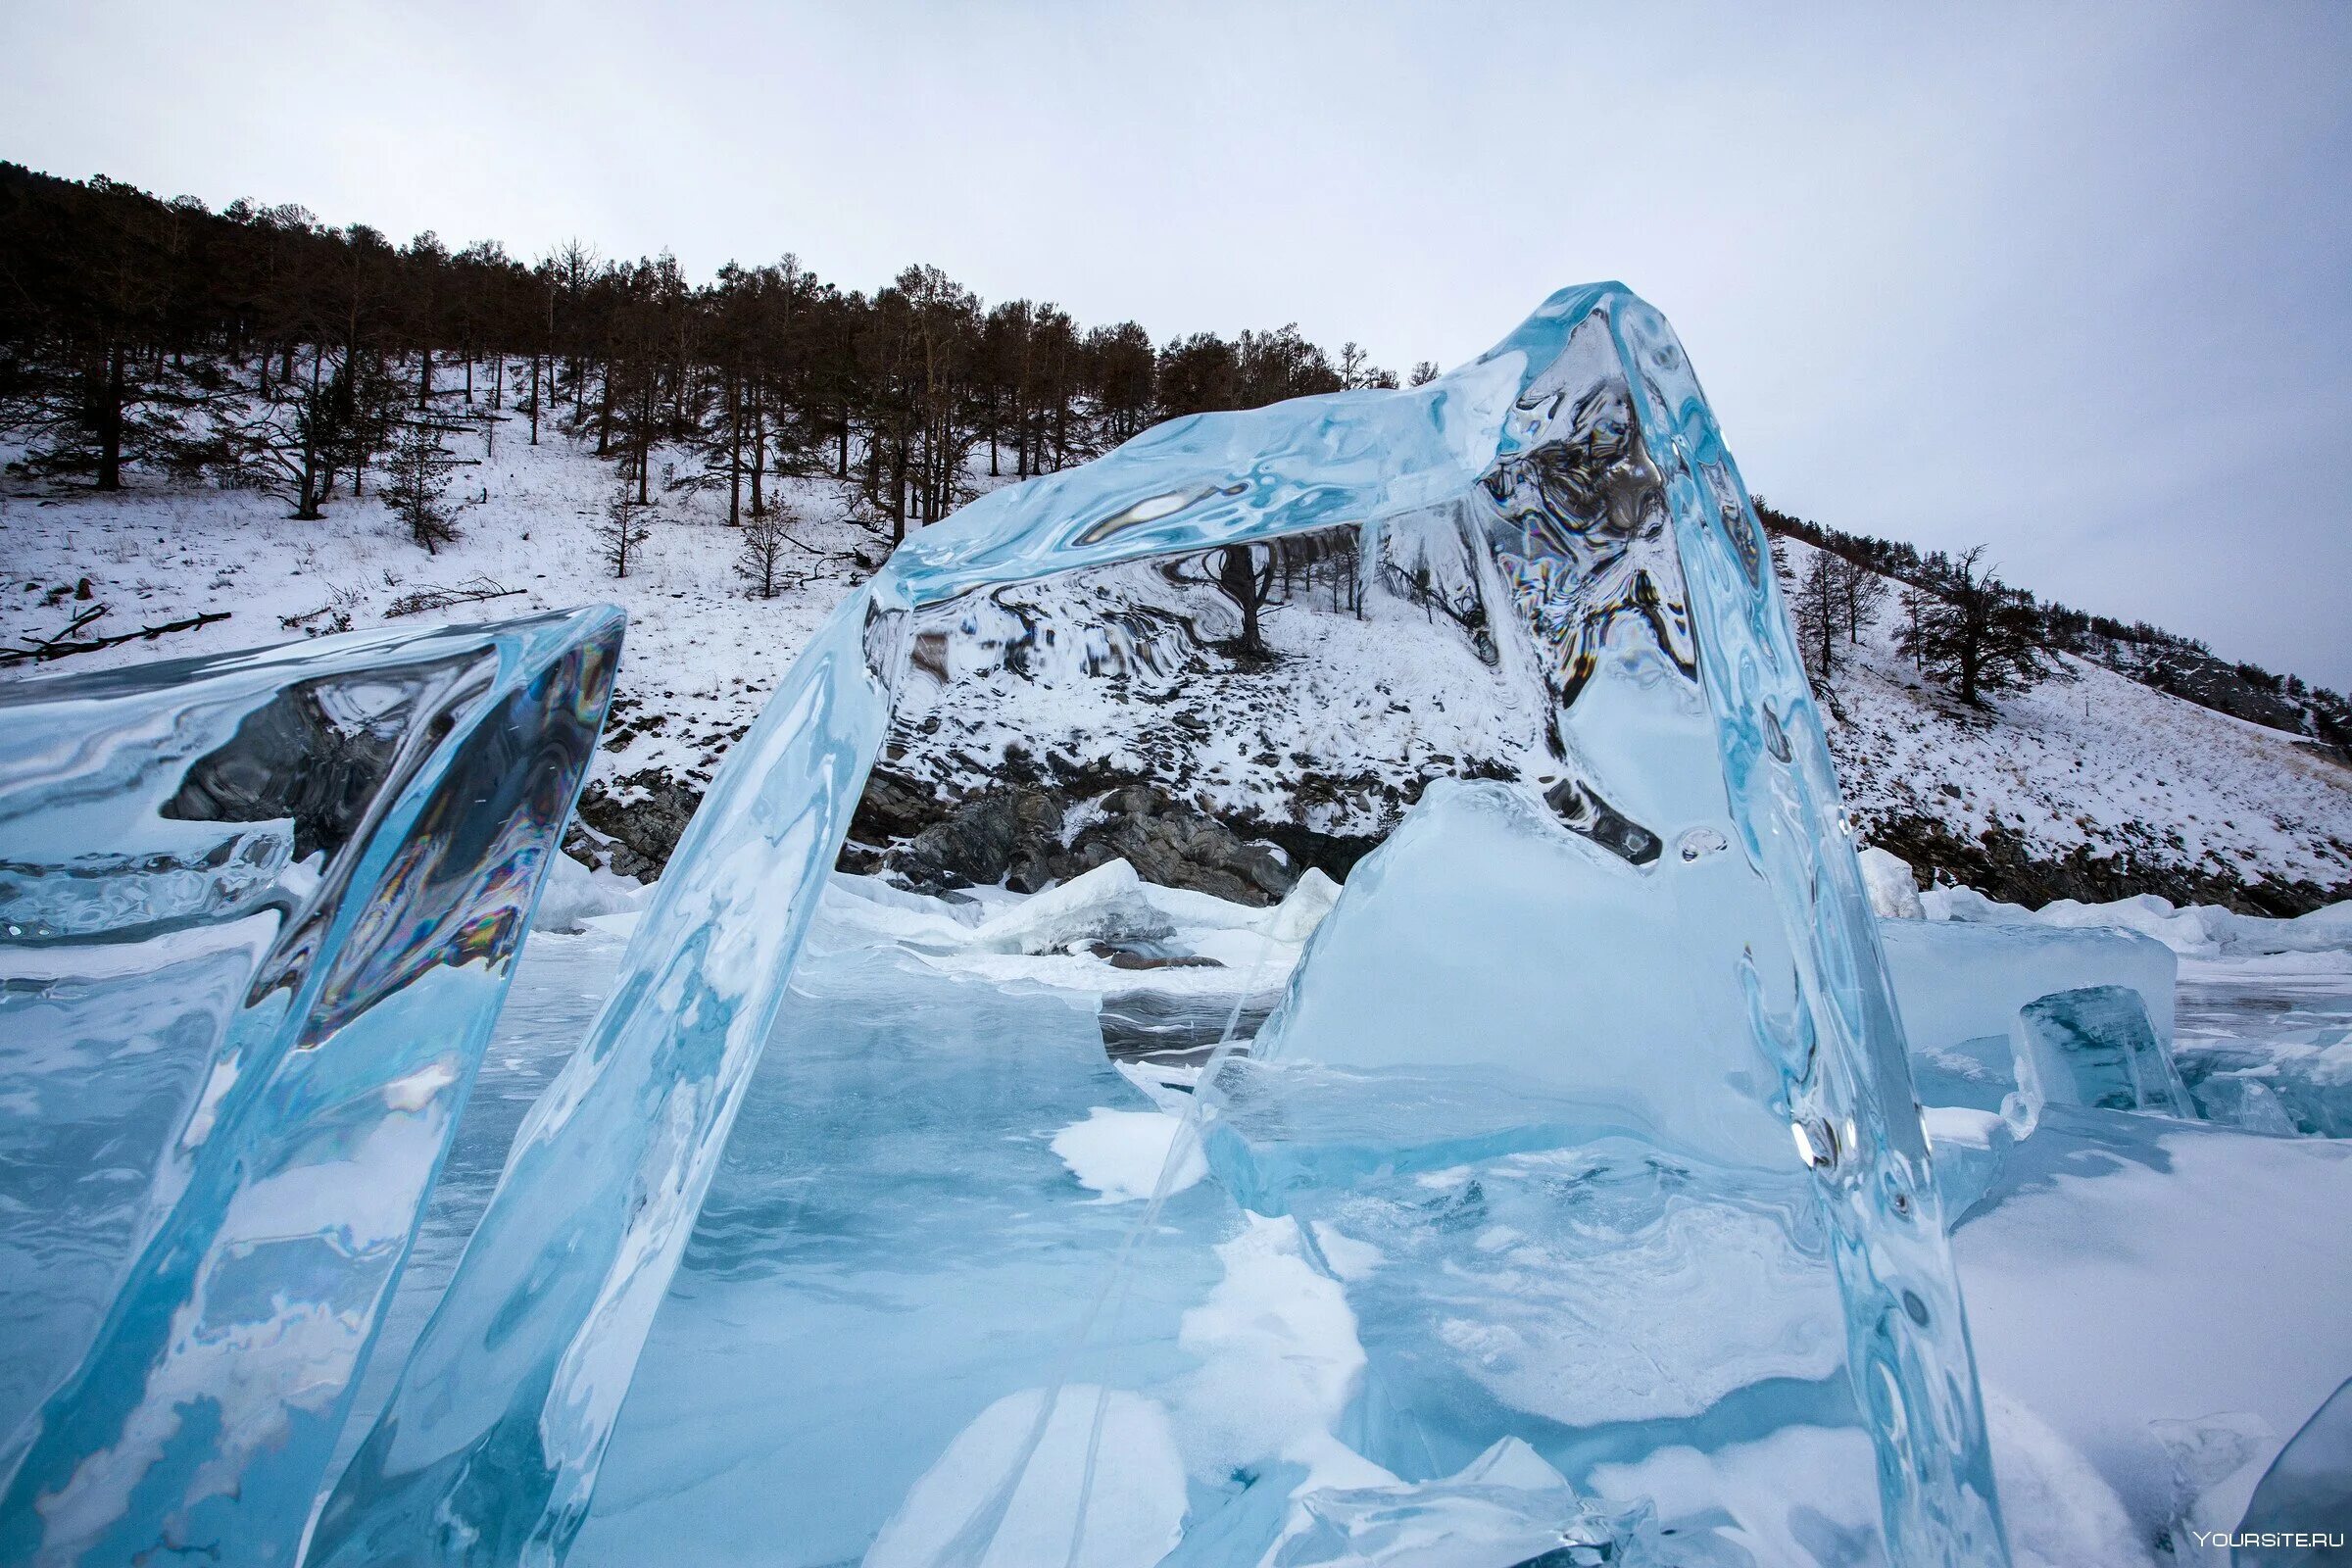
{"type": "Point", "coordinates": [42, 652]}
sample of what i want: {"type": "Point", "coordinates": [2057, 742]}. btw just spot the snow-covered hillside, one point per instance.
{"type": "Point", "coordinates": [699, 659]}
{"type": "Point", "coordinates": [2089, 786]}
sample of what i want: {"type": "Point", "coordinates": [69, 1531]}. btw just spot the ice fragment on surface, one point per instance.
{"type": "Point", "coordinates": [577, 893]}
{"type": "Point", "coordinates": [1303, 908]}
{"type": "Point", "coordinates": [1966, 1145]}
{"type": "Point", "coordinates": [263, 908]}
{"type": "Point", "coordinates": [1634, 1240]}
{"type": "Point", "coordinates": [2243, 1100]}
{"type": "Point", "coordinates": [1504, 1509]}
{"type": "Point", "coordinates": [1105, 904]}
{"type": "Point", "coordinates": [2206, 1464]}
{"type": "Point", "coordinates": [1960, 986]}
{"type": "Point", "coordinates": [2093, 1047]}
{"type": "Point", "coordinates": [2306, 1071]}
{"type": "Point", "coordinates": [1957, 982]}
{"type": "Point", "coordinates": [1798, 1498]}
{"type": "Point", "coordinates": [1483, 943]}
{"type": "Point", "coordinates": [1894, 890]}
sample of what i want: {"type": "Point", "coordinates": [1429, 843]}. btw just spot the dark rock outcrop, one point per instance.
{"type": "Point", "coordinates": [1178, 847]}
{"type": "Point", "coordinates": [2001, 864]}
{"type": "Point", "coordinates": [637, 833]}
{"type": "Point", "coordinates": [1026, 836]}
{"type": "Point", "coordinates": [1008, 836]}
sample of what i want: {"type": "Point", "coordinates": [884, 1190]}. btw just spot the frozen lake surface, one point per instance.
{"type": "Point", "coordinates": [897, 1252]}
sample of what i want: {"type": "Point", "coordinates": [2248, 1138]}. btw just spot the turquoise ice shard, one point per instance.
{"type": "Point", "coordinates": [488, 1448]}
{"type": "Point", "coordinates": [1572, 484]}
{"type": "Point", "coordinates": [2094, 1045]}
{"type": "Point", "coordinates": [257, 916]}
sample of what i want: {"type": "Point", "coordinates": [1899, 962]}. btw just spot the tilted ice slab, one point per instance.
{"type": "Point", "coordinates": [257, 916]}
{"type": "Point", "coordinates": [2094, 1046]}
{"type": "Point", "coordinates": [1549, 1120]}
{"type": "Point", "coordinates": [1622, 585]}
{"type": "Point", "coordinates": [1960, 987]}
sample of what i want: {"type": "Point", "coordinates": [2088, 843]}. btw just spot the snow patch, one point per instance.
{"type": "Point", "coordinates": [1121, 1153]}
{"type": "Point", "coordinates": [1303, 908]}
{"type": "Point", "coordinates": [2196, 931]}
{"type": "Point", "coordinates": [577, 893]}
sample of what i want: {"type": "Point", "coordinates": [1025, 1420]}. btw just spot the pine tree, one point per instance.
{"type": "Point", "coordinates": [1975, 631]}
{"type": "Point", "coordinates": [415, 486]}
{"type": "Point", "coordinates": [624, 528]}
{"type": "Point", "coordinates": [1818, 609]}
{"type": "Point", "coordinates": [761, 560]}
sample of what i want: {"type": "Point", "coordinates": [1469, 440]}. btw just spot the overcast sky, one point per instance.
{"type": "Point", "coordinates": [2074, 281]}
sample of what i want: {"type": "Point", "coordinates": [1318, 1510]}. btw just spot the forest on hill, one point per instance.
{"type": "Point", "coordinates": [263, 349]}
{"type": "Point", "coordinates": [258, 349]}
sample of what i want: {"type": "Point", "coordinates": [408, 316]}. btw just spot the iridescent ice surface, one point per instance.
{"type": "Point", "coordinates": [1562, 511]}
{"type": "Point", "coordinates": [257, 914]}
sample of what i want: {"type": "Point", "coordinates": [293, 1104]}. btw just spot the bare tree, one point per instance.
{"type": "Point", "coordinates": [1817, 607]}
{"type": "Point", "coordinates": [1248, 584]}
{"type": "Point", "coordinates": [1860, 592]}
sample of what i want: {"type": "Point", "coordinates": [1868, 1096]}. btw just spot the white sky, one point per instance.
{"type": "Point", "coordinates": [2072, 281]}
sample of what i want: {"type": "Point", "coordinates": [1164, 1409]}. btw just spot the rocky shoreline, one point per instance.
{"type": "Point", "coordinates": [1030, 833]}
{"type": "Point", "coordinates": [2001, 864]}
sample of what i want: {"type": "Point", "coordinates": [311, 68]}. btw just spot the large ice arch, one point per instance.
{"type": "Point", "coordinates": [1582, 459]}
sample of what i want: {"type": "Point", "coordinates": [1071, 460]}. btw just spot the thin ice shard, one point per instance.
{"type": "Point", "coordinates": [1566, 501]}
{"type": "Point", "coordinates": [245, 1027]}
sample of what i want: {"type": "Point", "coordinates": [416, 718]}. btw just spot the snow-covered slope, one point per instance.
{"type": "Point", "coordinates": [2088, 786]}
{"type": "Point", "coordinates": [700, 657]}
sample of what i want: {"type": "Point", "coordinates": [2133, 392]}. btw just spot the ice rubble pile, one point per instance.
{"type": "Point", "coordinates": [1964, 964]}
{"type": "Point", "coordinates": [2199, 931]}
